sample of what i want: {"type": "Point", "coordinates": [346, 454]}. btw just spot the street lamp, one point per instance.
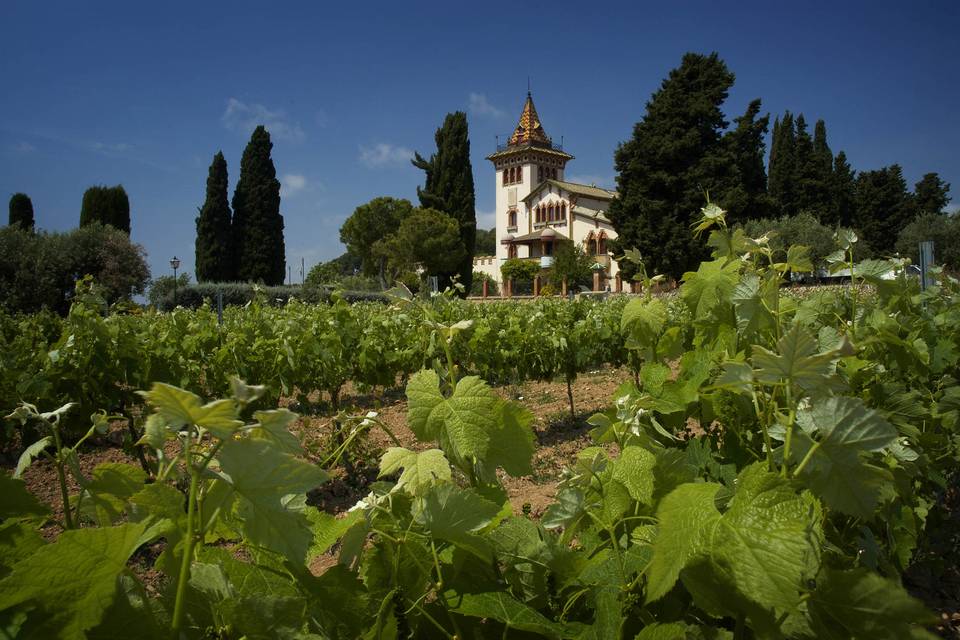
{"type": "Point", "coordinates": [175, 263]}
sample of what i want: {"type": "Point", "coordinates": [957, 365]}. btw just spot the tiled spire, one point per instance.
{"type": "Point", "coordinates": [529, 130]}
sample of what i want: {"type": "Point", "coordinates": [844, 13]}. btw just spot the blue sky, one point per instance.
{"type": "Point", "coordinates": [143, 94]}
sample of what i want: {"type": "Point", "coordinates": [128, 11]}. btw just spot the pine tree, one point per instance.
{"type": "Point", "coordinates": [448, 187]}
{"type": "Point", "coordinates": [931, 194]}
{"type": "Point", "coordinates": [781, 183]}
{"type": "Point", "coordinates": [21, 211]}
{"type": "Point", "coordinates": [843, 193]}
{"type": "Point", "coordinates": [106, 205]}
{"type": "Point", "coordinates": [257, 228]}
{"type": "Point", "coordinates": [882, 207]}
{"type": "Point", "coordinates": [664, 169]}
{"type": "Point", "coordinates": [214, 262]}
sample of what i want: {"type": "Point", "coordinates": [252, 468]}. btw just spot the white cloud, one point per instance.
{"type": "Point", "coordinates": [243, 117]}
{"type": "Point", "coordinates": [486, 219]}
{"type": "Point", "coordinates": [24, 147]}
{"type": "Point", "coordinates": [291, 183]}
{"type": "Point", "coordinates": [478, 105]}
{"type": "Point", "coordinates": [383, 155]}
{"type": "Point", "coordinates": [606, 182]}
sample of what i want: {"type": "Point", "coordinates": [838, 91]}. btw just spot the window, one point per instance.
{"type": "Point", "coordinates": [512, 251]}
{"type": "Point", "coordinates": [512, 218]}
{"type": "Point", "coordinates": [563, 211]}
{"type": "Point", "coordinates": [602, 245]}
{"type": "Point", "coordinates": [505, 177]}
{"type": "Point", "coordinates": [539, 174]}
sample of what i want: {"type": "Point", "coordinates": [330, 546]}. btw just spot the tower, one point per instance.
{"type": "Point", "coordinates": [528, 158]}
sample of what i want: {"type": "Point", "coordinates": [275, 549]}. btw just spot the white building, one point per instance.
{"type": "Point", "coordinates": [536, 207]}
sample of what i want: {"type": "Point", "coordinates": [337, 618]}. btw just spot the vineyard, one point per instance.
{"type": "Point", "coordinates": [774, 465]}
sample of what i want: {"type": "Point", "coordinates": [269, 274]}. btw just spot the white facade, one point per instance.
{"type": "Point", "coordinates": [536, 208]}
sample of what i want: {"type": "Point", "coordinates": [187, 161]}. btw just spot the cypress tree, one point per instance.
{"type": "Point", "coordinates": [804, 175]}
{"type": "Point", "coordinates": [782, 174]}
{"type": "Point", "coordinates": [21, 211]}
{"type": "Point", "coordinates": [448, 187]}
{"type": "Point", "coordinates": [882, 207]}
{"type": "Point", "coordinates": [213, 258]}
{"type": "Point", "coordinates": [747, 198]}
{"type": "Point", "coordinates": [843, 192]}
{"type": "Point", "coordinates": [106, 205]}
{"type": "Point", "coordinates": [257, 223]}
{"type": "Point", "coordinates": [664, 169]}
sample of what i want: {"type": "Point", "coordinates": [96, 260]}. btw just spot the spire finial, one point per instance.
{"type": "Point", "coordinates": [528, 85]}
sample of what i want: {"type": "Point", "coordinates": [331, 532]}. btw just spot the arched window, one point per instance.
{"type": "Point", "coordinates": [590, 245]}
{"type": "Point", "coordinates": [512, 218]}
{"type": "Point", "coordinates": [505, 176]}
{"type": "Point", "coordinates": [563, 211]}
{"type": "Point", "coordinates": [602, 244]}
{"type": "Point", "coordinates": [519, 174]}
{"type": "Point", "coordinates": [512, 251]}
{"type": "Point", "coordinates": [539, 174]}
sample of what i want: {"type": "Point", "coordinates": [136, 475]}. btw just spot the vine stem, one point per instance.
{"type": "Point", "coordinates": [188, 550]}
{"type": "Point", "coordinates": [806, 459]}
{"type": "Point", "coordinates": [789, 437]}
{"type": "Point", "coordinates": [62, 478]}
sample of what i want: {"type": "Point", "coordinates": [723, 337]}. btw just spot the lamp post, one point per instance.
{"type": "Point", "coordinates": [175, 263]}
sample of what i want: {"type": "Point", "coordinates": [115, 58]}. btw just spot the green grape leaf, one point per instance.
{"type": "Point", "coordinates": [753, 301]}
{"type": "Point", "coordinates": [106, 494]}
{"type": "Point", "coordinates": [472, 425]}
{"type": "Point", "coordinates": [30, 453]}
{"type": "Point", "coordinates": [862, 604]}
{"type": "Point", "coordinates": [643, 321]}
{"type": "Point", "coordinates": [179, 407]}
{"type": "Point", "coordinates": [797, 361]}
{"type": "Point", "coordinates": [274, 426]}
{"type": "Point", "coordinates": [18, 540]}
{"type": "Point", "coordinates": [167, 505]}
{"type": "Point", "coordinates": [767, 541]}
{"type": "Point", "coordinates": [687, 516]}
{"type": "Point", "coordinates": [328, 529]}
{"type": "Point", "coordinates": [501, 606]}
{"type": "Point", "coordinates": [461, 423]}
{"type": "Point", "coordinates": [709, 287]}
{"type": "Point", "coordinates": [420, 470]}
{"type": "Point", "coordinates": [454, 514]}
{"type": "Point", "coordinates": [663, 631]}
{"type": "Point", "coordinates": [16, 501]}
{"type": "Point", "coordinates": [654, 375]}
{"type": "Point", "coordinates": [634, 469]}
{"type": "Point", "coordinates": [843, 428]}
{"type": "Point", "coordinates": [271, 484]}
{"type": "Point", "coordinates": [72, 581]}
{"type": "Point", "coordinates": [511, 441]}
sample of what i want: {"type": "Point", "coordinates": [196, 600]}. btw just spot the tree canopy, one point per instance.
{"type": "Point", "coordinates": [367, 230]}
{"type": "Point", "coordinates": [106, 205]}
{"type": "Point", "coordinates": [39, 270]}
{"type": "Point", "coordinates": [257, 230]}
{"type": "Point", "coordinates": [21, 211]}
{"type": "Point", "coordinates": [883, 207]}
{"type": "Point", "coordinates": [214, 261]}
{"type": "Point", "coordinates": [664, 170]}
{"type": "Point", "coordinates": [448, 187]}
{"type": "Point", "coordinates": [426, 238]}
